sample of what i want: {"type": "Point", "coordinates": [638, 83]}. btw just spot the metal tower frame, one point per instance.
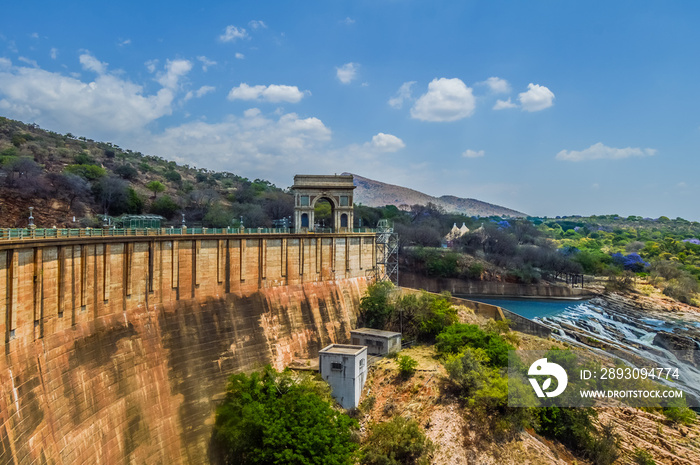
{"type": "Point", "coordinates": [387, 267]}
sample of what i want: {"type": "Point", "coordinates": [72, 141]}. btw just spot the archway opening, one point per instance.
{"type": "Point", "coordinates": [304, 220]}
{"type": "Point", "coordinates": [323, 214]}
{"type": "Point", "coordinates": [344, 220]}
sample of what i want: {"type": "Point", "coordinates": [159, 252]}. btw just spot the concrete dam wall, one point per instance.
{"type": "Point", "coordinates": [113, 348]}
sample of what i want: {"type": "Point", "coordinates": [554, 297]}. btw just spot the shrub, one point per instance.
{"type": "Point", "coordinates": [457, 336]}
{"type": "Point", "coordinates": [407, 365]}
{"type": "Point", "coordinates": [84, 159]}
{"type": "Point", "coordinates": [134, 202]}
{"type": "Point", "coordinates": [126, 172]}
{"type": "Point", "coordinates": [396, 442]}
{"type": "Point", "coordinates": [173, 176]}
{"type": "Point", "coordinates": [642, 457]}
{"type": "Point", "coordinates": [272, 418]}
{"type": "Point", "coordinates": [620, 283]}
{"type": "Point", "coordinates": [574, 428]}
{"type": "Point", "coordinates": [678, 412]}
{"type": "Point", "coordinates": [475, 271]}
{"type": "Point", "coordinates": [89, 172]}
{"type": "Point", "coordinates": [376, 306]}
{"type": "Point", "coordinates": [164, 206]}
{"type": "Point", "coordinates": [682, 289]}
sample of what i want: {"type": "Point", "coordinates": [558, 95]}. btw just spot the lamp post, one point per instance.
{"type": "Point", "coordinates": [31, 218]}
{"type": "Point", "coordinates": [184, 226]}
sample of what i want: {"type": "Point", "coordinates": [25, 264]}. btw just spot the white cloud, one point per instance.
{"type": "Point", "coordinates": [202, 91]}
{"type": "Point", "coordinates": [497, 85]}
{"type": "Point", "coordinates": [385, 143]}
{"type": "Point", "coordinates": [504, 104]}
{"type": "Point", "coordinates": [446, 100]}
{"type": "Point", "coordinates": [53, 53]}
{"type": "Point", "coordinates": [232, 34]}
{"type": "Point", "coordinates": [34, 35]}
{"type": "Point", "coordinates": [254, 24]}
{"type": "Point", "coordinates": [254, 144]}
{"type": "Point", "coordinates": [91, 63]}
{"type": "Point", "coordinates": [5, 63]}
{"type": "Point", "coordinates": [240, 56]}
{"type": "Point", "coordinates": [348, 20]}
{"type": "Point", "coordinates": [347, 73]}
{"type": "Point", "coordinates": [174, 70]}
{"type": "Point", "coordinates": [29, 61]}
{"type": "Point", "coordinates": [536, 98]}
{"type": "Point", "coordinates": [122, 43]}
{"type": "Point", "coordinates": [206, 62]}
{"type": "Point", "coordinates": [473, 153]}
{"type": "Point", "coordinates": [271, 93]}
{"type": "Point", "coordinates": [102, 108]}
{"type": "Point", "coordinates": [151, 65]}
{"type": "Point", "coordinates": [402, 95]}
{"type": "Point", "coordinates": [599, 152]}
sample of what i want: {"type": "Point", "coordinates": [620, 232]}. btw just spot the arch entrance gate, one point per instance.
{"type": "Point", "coordinates": [309, 189]}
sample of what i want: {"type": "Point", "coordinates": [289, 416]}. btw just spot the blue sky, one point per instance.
{"type": "Point", "coordinates": [547, 107]}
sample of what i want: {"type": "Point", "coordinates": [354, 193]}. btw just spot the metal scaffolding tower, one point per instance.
{"type": "Point", "coordinates": [387, 268]}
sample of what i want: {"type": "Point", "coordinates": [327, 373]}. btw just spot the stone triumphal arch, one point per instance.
{"type": "Point", "coordinates": [309, 189]}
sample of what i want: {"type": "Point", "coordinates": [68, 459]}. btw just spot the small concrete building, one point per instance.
{"type": "Point", "coordinates": [378, 342]}
{"type": "Point", "coordinates": [344, 367]}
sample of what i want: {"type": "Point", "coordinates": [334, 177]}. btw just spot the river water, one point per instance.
{"type": "Point", "coordinates": [637, 332]}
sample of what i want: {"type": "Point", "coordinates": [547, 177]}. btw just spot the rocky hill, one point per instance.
{"type": "Point", "coordinates": [378, 194]}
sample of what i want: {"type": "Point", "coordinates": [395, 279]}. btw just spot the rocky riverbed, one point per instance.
{"type": "Point", "coordinates": [656, 333]}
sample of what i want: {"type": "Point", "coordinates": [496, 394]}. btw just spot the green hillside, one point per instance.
{"type": "Point", "coordinates": [64, 176]}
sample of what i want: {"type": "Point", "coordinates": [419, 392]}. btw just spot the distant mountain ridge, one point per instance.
{"type": "Point", "coordinates": [378, 194]}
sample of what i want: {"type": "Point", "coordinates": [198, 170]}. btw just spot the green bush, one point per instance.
{"type": "Point", "coordinates": [396, 442]}
{"type": "Point", "coordinates": [89, 172]}
{"type": "Point", "coordinates": [443, 265]}
{"type": "Point", "coordinates": [376, 306]}
{"type": "Point", "coordinates": [475, 271]}
{"type": "Point", "coordinates": [218, 216]}
{"type": "Point", "coordinates": [642, 457]}
{"type": "Point", "coordinates": [407, 365]}
{"type": "Point", "coordinates": [172, 176]}
{"type": "Point", "coordinates": [682, 289]}
{"type": "Point", "coordinates": [274, 418]}
{"type": "Point", "coordinates": [425, 315]}
{"type": "Point", "coordinates": [574, 428]}
{"type": "Point", "coordinates": [456, 337]}
{"type": "Point", "coordinates": [84, 159]}
{"type": "Point", "coordinates": [486, 391]}
{"type": "Point", "coordinates": [126, 172]}
{"type": "Point", "coordinates": [134, 202]}
{"type": "Point", "coordinates": [678, 412]}
{"type": "Point", "coordinates": [164, 206]}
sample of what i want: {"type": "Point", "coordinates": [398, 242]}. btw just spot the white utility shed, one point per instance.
{"type": "Point", "coordinates": [344, 367]}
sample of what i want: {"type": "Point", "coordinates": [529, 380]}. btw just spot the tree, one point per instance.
{"type": "Point", "coordinates": [113, 195]}
{"type": "Point", "coordinates": [376, 306]}
{"type": "Point", "coordinates": [68, 187]}
{"type": "Point", "coordinates": [156, 187]}
{"type": "Point", "coordinates": [126, 172]}
{"type": "Point", "coordinates": [273, 418]}
{"type": "Point", "coordinates": [165, 206]}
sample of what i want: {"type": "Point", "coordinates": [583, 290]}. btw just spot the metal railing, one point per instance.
{"type": "Point", "coordinates": [62, 233]}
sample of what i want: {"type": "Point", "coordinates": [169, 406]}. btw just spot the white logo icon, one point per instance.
{"type": "Point", "coordinates": [542, 367]}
